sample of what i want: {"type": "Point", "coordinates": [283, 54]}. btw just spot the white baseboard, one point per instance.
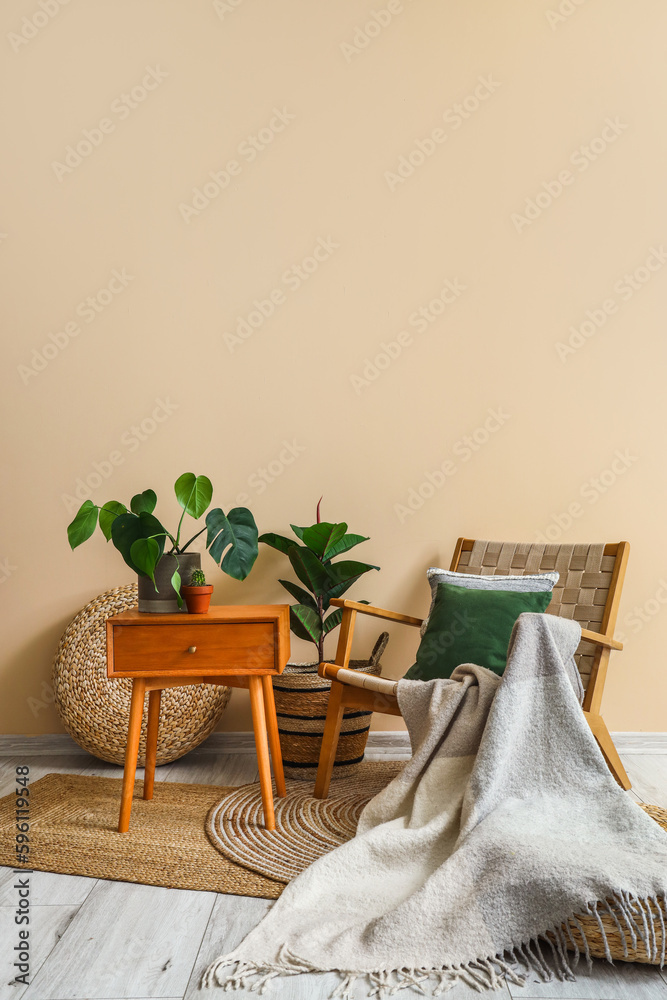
{"type": "Point", "coordinates": [391, 745]}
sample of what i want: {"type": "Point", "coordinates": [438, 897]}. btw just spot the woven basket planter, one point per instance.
{"type": "Point", "coordinates": [95, 710]}
{"type": "Point", "coordinates": [301, 698]}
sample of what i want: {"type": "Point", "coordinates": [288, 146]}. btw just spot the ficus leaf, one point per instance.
{"type": "Point", "coordinates": [301, 595]}
{"type": "Point", "coordinates": [309, 619]}
{"type": "Point", "coordinates": [344, 544]}
{"type": "Point", "coordinates": [332, 620]}
{"type": "Point", "coordinates": [320, 538]}
{"type": "Point", "coordinates": [309, 570]}
{"type": "Point", "coordinates": [297, 628]}
{"type": "Point", "coordinates": [279, 542]}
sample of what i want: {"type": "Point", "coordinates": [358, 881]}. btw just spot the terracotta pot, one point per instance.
{"type": "Point", "coordinates": [197, 599]}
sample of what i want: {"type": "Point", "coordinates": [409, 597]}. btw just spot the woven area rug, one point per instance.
{"type": "Point", "coordinates": [306, 828]}
{"type": "Point", "coordinates": [73, 822]}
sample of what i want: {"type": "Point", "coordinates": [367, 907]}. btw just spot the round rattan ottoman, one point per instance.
{"type": "Point", "coordinates": [95, 711]}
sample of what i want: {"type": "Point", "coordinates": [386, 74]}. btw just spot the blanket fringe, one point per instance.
{"type": "Point", "coordinates": [640, 920]}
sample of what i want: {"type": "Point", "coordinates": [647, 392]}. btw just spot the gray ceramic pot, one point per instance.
{"type": "Point", "coordinates": [164, 601]}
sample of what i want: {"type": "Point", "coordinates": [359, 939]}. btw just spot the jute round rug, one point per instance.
{"type": "Point", "coordinates": [306, 828]}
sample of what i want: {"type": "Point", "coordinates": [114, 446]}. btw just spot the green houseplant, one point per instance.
{"type": "Point", "coordinates": [197, 593]}
{"type": "Point", "coordinates": [142, 539]}
{"type": "Point", "coordinates": [311, 556]}
{"type": "Point", "coordinates": [300, 693]}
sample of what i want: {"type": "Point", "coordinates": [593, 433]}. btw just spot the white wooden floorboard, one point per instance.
{"type": "Point", "coordinates": [622, 981]}
{"type": "Point", "coordinates": [39, 766]}
{"type": "Point", "coordinates": [47, 889]}
{"type": "Point", "coordinates": [47, 925]}
{"type": "Point", "coordinates": [648, 774]}
{"type": "Point", "coordinates": [126, 940]}
{"type": "Point", "coordinates": [236, 769]}
{"type": "Point", "coordinates": [231, 919]}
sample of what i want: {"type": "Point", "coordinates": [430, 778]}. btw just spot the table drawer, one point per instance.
{"type": "Point", "coordinates": [163, 649]}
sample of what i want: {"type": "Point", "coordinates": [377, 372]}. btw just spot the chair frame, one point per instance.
{"type": "Point", "coordinates": [350, 689]}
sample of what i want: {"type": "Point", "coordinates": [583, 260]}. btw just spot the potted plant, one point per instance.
{"type": "Point", "coordinates": [141, 539]}
{"type": "Point", "coordinates": [301, 694]}
{"type": "Point", "coordinates": [197, 593]}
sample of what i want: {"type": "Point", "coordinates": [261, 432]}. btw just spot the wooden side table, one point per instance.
{"type": "Point", "coordinates": [240, 646]}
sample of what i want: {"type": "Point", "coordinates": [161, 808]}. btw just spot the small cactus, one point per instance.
{"type": "Point", "coordinates": [198, 579]}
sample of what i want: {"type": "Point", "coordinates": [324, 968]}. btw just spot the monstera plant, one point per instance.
{"type": "Point", "coordinates": [144, 542]}
{"type": "Point", "coordinates": [311, 556]}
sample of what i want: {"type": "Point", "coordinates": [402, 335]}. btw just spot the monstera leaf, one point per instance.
{"type": "Point", "coordinates": [129, 528]}
{"type": "Point", "coordinates": [194, 493]}
{"type": "Point", "coordinates": [83, 524]}
{"type": "Point", "coordinates": [108, 514]}
{"type": "Point", "coordinates": [232, 540]}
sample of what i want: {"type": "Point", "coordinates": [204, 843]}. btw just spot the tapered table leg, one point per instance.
{"type": "Point", "coordinates": [131, 752]}
{"type": "Point", "coordinates": [151, 741]}
{"type": "Point", "coordinates": [259, 725]}
{"type": "Point", "coordinates": [274, 736]}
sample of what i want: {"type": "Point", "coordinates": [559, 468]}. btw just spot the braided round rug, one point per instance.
{"type": "Point", "coordinates": [95, 710]}
{"type": "Point", "coordinates": [306, 827]}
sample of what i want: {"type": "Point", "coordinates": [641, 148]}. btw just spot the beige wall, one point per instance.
{"type": "Point", "coordinates": [536, 91]}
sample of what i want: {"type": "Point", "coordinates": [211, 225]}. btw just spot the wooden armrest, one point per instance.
{"type": "Point", "coordinates": [601, 640]}
{"type": "Point", "coordinates": [368, 609]}
{"type": "Point", "coordinates": [357, 679]}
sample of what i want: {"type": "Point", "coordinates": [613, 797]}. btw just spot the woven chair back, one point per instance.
{"type": "Point", "coordinates": [583, 591]}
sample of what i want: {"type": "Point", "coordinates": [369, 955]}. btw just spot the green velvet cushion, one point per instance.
{"type": "Point", "coordinates": [471, 626]}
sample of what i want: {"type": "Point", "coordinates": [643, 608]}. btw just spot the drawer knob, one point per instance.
{"type": "Point", "coordinates": [192, 649]}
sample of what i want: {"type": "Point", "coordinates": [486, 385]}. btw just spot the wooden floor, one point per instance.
{"type": "Point", "coordinates": [100, 940]}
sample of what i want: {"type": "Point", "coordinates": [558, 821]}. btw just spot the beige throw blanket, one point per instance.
{"type": "Point", "coordinates": [505, 823]}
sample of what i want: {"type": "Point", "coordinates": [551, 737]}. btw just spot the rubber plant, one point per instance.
{"type": "Point", "coordinates": [311, 556]}
{"type": "Point", "coordinates": [141, 538]}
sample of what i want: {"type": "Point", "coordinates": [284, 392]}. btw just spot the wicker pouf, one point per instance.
{"type": "Point", "coordinates": [301, 698]}
{"type": "Point", "coordinates": [95, 710]}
